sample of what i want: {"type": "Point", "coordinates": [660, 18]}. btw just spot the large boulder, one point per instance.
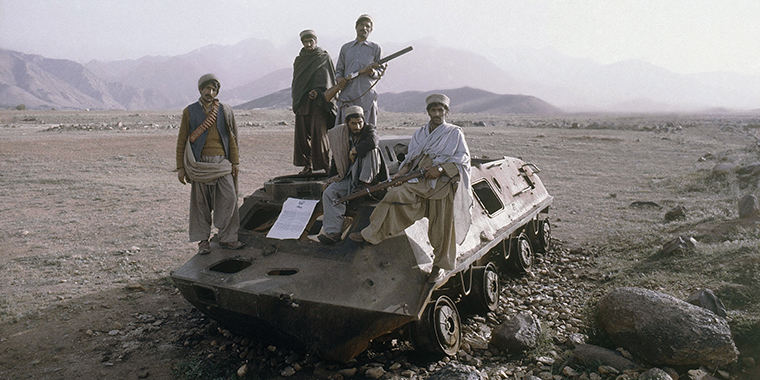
{"type": "Point", "coordinates": [663, 330]}
{"type": "Point", "coordinates": [517, 334]}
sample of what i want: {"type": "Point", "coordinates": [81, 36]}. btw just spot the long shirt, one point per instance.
{"type": "Point", "coordinates": [353, 57]}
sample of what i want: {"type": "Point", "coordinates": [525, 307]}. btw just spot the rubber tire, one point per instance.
{"type": "Point", "coordinates": [486, 290]}
{"type": "Point", "coordinates": [439, 331]}
{"type": "Point", "coordinates": [521, 254]}
{"type": "Point", "coordinates": [540, 233]}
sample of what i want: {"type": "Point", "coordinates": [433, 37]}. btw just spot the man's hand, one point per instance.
{"type": "Point", "coordinates": [329, 181]}
{"type": "Point", "coordinates": [401, 171]}
{"type": "Point", "coordinates": [182, 176]}
{"type": "Point", "coordinates": [369, 70]}
{"type": "Point", "coordinates": [341, 82]}
{"type": "Point", "coordinates": [234, 170]}
{"type": "Point", "coordinates": [433, 172]}
{"type": "Point", "coordinates": [352, 154]}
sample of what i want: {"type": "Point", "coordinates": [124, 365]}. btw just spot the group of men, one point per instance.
{"type": "Point", "coordinates": [344, 128]}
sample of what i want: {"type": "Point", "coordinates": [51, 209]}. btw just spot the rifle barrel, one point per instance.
{"type": "Point", "coordinates": [379, 186]}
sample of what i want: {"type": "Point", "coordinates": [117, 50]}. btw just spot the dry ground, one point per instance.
{"type": "Point", "coordinates": [93, 219]}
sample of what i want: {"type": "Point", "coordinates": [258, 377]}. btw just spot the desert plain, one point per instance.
{"type": "Point", "coordinates": [93, 220]}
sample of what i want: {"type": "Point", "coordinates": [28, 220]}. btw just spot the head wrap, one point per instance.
{"type": "Point", "coordinates": [354, 110]}
{"type": "Point", "coordinates": [365, 17]}
{"type": "Point", "coordinates": [208, 78]}
{"type": "Point", "coordinates": [307, 33]}
{"type": "Point", "coordinates": [438, 99]}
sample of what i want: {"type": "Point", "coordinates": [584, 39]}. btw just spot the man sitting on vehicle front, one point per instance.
{"type": "Point", "coordinates": [355, 165]}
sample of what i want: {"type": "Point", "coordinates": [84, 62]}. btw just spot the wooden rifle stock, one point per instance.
{"type": "Point", "coordinates": [380, 186]}
{"type": "Point", "coordinates": [332, 91]}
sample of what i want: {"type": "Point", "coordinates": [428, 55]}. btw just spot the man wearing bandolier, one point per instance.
{"type": "Point", "coordinates": [313, 73]}
{"type": "Point", "coordinates": [207, 157]}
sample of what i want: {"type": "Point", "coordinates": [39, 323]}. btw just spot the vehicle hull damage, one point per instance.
{"type": "Point", "coordinates": [336, 299]}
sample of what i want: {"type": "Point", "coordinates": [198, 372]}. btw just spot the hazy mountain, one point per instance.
{"type": "Point", "coordinates": [254, 68]}
{"type": "Point", "coordinates": [40, 82]}
{"type": "Point", "coordinates": [276, 100]}
{"type": "Point", "coordinates": [463, 100]}
{"type": "Point", "coordinates": [177, 77]}
{"type": "Point", "coordinates": [633, 85]}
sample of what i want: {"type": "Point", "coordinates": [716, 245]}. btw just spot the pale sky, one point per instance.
{"type": "Point", "coordinates": [684, 36]}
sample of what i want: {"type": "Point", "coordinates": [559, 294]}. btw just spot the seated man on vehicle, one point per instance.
{"type": "Point", "coordinates": [355, 165]}
{"type": "Point", "coordinates": [443, 195]}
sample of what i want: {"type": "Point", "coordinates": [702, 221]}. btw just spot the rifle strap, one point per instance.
{"type": "Point", "coordinates": [382, 72]}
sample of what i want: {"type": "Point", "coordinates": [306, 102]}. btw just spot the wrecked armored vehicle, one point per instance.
{"type": "Point", "coordinates": [336, 299]}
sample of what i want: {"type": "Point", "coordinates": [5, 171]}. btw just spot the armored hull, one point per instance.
{"type": "Point", "coordinates": [336, 299]}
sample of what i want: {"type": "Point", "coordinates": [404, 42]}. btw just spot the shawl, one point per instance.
{"type": "Point", "coordinates": [313, 69]}
{"type": "Point", "coordinates": [204, 171]}
{"type": "Point", "coordinates": [446, 144]}
{"type": "Point", "coordinates": [338, 138]}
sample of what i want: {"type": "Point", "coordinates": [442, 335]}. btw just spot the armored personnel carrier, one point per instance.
{"type": "Point", "coordinates": [336, 299]}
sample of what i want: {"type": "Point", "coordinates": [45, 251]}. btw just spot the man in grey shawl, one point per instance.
{"type": "Point", "coordinates": [355, 164]}
{"type": "Point", "coordinates": [313, 73]}
{"type": "Point", "coordinates": [207, 157]}
{"type": "Point", "coordinates": [359, 56]}
{"type": "Point", "coordinates": [443, 195]}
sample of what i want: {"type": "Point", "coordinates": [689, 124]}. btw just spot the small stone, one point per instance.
{"type": "Point", "coordinates": [375, 373]}
{"type": "Point", "coordinates": [242, 372]}
{"type": "Point", "coordinates": [113, 332]}
{"type": "Point", "coordinates": [655, 374]}
{"type": "Point", "coordinates": [569, 372]}
{"type": "Point", "coordinates": [395, 367]}
{"type": "Point", "coordinates": [545, 360]}
{"type": "Point", "coordinates": [748, 362]}
{"type": "Point", "coordinates": [348, 373]}
{"type": "Point", "coordinates": [288, 371]}
{"type": "Point", "coordinates": [135, 287]}
{"type": "Point", "coordinates": [143, 375]}
{"type": "Point", "coordinates": [607, 370]}
{"type": "Point", "coordinates": [407, 373]}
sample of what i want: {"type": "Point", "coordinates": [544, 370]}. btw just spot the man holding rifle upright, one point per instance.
{"type": "Point", "coordinates": [443, 195]}
{"type": "Point", "coordinates": [359, 56]}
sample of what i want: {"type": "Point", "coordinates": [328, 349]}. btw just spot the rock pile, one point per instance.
{"type": "Point", "coordinates": [545, 310]}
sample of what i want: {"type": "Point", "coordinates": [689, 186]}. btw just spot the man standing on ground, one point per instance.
{"type": "Point", "coordinates": [313, 73]}
{"type": "Point", "coordinates": [359, 56]}
{"type": "Point", "coordinates": [355, 164]}
{"type": "Point", "coordinates": [207, 157]}
{"type": "Point", "coordinates": [443, 195]}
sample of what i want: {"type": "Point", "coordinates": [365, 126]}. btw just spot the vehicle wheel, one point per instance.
{"type": "Point", "coordinates": [521, 254]}
{"type": "Point", "coordinates": [486, 290]}
{"type": "Point", "coordinates": [439, 330]}
{"type": "Point", "coordinates": [541, 235]}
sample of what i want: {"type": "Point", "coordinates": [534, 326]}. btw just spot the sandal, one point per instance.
{"type": "Point", "coordinates": [232, 245]}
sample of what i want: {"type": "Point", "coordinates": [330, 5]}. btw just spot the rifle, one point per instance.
{"type": "Point", "coordinates": [332, 91]}
{"type": "Point", "coordinates": [380, 186]}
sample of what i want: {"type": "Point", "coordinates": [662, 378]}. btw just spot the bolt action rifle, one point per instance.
{"type": "Point", "coordinates": [332, 91]}
{"type": "Point", "coordinates": [380, 186]}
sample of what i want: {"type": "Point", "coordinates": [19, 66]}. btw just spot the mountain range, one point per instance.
{"type": "Point", "coordinates": [509, 80]}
